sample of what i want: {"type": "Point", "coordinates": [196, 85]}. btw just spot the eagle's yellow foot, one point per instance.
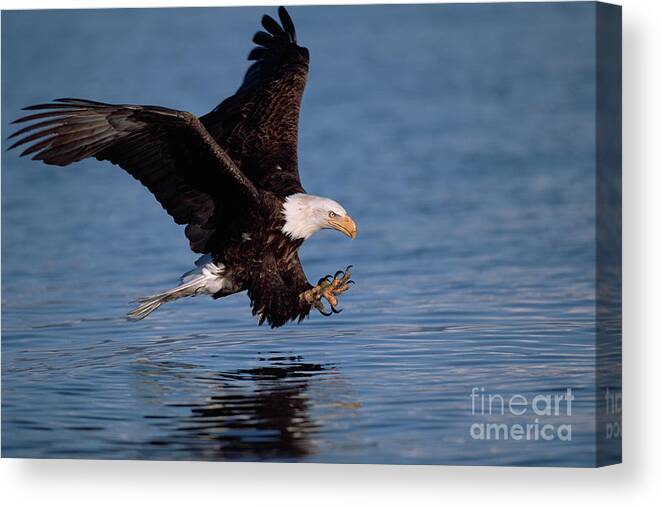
{"type": "Point", "coordinates": [328, 288]}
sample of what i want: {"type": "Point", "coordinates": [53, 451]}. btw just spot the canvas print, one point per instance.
{"type": "Point", "coordinates": [391, 235]}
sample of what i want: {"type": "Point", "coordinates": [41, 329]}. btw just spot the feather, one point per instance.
{"type": "Point", "coordinates": [263, 39]}
{"type": "Point", "coordinates": [81, 102]}
{"type": "Point", "coordinates": [287, 23]}
{"type": "Point", "coordinates": [258, 54]}
{"type": "Point", "coordinates": [272, 26]}
{"type": "Point", "coordinates": [47, 114]}
{"type": "Point", "coordinates": [34, 126]}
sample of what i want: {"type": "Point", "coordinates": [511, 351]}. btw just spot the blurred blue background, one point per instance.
{"type": "Point", "coordinates": [460, 137]}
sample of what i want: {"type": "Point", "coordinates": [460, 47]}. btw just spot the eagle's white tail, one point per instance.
{"type": "Point", "coordinates": [207, 278]}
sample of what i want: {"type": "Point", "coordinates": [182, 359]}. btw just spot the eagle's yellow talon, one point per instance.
{"type": "Point", "coordinates": [328, 287]}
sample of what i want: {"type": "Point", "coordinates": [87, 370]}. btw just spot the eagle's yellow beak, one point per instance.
{"type": "Point", "coordinates": [345, 225]}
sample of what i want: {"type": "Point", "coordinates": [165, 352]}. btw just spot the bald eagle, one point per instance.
{"type": "Point", "coordinates": [230, 176]}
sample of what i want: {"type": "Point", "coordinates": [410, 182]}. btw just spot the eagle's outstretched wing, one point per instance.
{"type": "Point", "coordinates": [258, 125]}
{"type": "Point", "coordinates": [168, 151]}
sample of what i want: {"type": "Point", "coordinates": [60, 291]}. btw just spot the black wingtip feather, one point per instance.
{"type": "Point", "coordinates": [47, 114]}
{"type": "Point", "coordinates": [287, 23]}
{"type": "Point", "coordinates": [81, 102]}
{"type": "Point", "coordinates": [272, 26]}
{"type": "Point", "coordinates": [258, 53]}
{"type": "Point", "coordinates": [263, 39]}
{"type": "Point", "coordinates": [275, 39]}
{"type": "Point", "coordinates": [37, 146]}
{"type": "Point", "coordinates": [31, 127]}
{"type": "Point", "coordinates": [50, 105]}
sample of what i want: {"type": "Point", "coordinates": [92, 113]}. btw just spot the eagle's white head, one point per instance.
{"type": "Point", "coordinates": [306, 214]}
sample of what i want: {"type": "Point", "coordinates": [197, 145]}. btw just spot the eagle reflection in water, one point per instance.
{"type": "Point", "coordinates": [252, 414]}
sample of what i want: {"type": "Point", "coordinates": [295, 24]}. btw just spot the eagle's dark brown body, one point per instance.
{"type": "Point", "coordinates": [225, 176]}
{"type": "Point", "coordinates": [264, 261]}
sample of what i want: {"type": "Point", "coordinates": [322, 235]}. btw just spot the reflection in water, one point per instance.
{"type": "Point", "coordinates": [250, 414]}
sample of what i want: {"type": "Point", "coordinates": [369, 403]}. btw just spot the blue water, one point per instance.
{"type": "Point", "coordinates": [460, 138]}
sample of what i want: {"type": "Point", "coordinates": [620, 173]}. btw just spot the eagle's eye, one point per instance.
{"type": "Point", "coordinates": [332, 214]}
